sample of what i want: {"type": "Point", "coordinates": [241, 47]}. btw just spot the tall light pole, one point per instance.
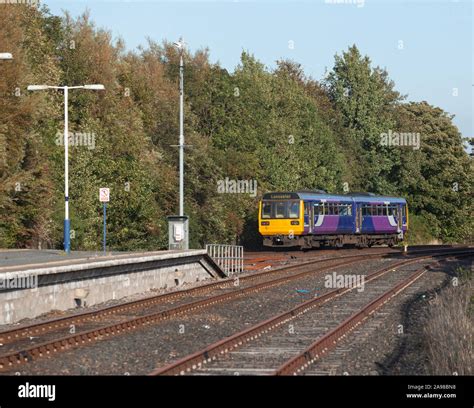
{"type": "Point", "coordinates": [94, 87]}
{"type": "Point", "coordinates": [5, 56]}
{"type": "Point", "coordinates": [178, 231]}
{"type": "Point", "coordinates": [180, 46]}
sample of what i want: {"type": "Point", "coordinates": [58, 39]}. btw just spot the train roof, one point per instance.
{"type": "Point", "coordinates": [322, 195]}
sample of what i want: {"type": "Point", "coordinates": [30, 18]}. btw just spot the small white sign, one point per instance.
{"type": "Point", "coordinates": [178, 232]}
{"type": "Point", "coordinates": [104, 195]}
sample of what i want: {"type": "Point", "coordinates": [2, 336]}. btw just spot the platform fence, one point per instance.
{"type": "Point", "coordinates": [230, 258]}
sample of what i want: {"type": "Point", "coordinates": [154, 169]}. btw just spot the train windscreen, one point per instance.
{"type": "Point", "coordinates": [280, 209]}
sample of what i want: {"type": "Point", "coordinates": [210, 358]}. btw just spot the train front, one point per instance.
{"type": "Point", "coordinates": [280, 219]}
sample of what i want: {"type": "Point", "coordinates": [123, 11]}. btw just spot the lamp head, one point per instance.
{"type": "Point", "coordinates": [95, 87]}
{"type": "Point", "coordinates": [6, 56]}
{"type": "Point", "coordinates": [180, 44]}
{"type": "Point", "coordinates": [37, 87]}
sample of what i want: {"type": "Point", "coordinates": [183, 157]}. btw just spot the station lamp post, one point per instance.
{"type": "Point", "coordinates": [178, 225]}
{"type": "Point", "coordinates": [94, 87]}
{"type": "Point", "coordinates": [180, 46]}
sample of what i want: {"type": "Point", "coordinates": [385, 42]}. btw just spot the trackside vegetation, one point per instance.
{"type": "Point", "coordinates": [276, 127]}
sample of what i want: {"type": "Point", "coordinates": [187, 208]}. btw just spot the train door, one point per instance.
{"type": "Point", "coordinates": [399, 217]}
{"type": "Point", "coordinates": [358, 218]}
{"type": "Point", "coordinates": [308, 217]}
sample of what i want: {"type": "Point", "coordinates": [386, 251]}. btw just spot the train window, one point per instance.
{"type": "Point", "coordinates": [294, 209]}
{"type": "Point", "coordinates": [318, 209]}
{"type": "Point", "coordinates": [280, 209]}
{"type": "Point", "coordinates": [266, 209]}
{"type": "Point", "coordinates": [323, 208]}
{"type": "Point", "coordinates": [335, 209]}
{"type": "Point", "coordinates": [379, 210]}
{"type": "Point", "coordinates": [368, 210]}
{"type": "Point", "coordinates": [345, 209]}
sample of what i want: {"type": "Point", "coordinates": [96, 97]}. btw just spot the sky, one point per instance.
{"type": "Point", "coordinates": [425, 45]}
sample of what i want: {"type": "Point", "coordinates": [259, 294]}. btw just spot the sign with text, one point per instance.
{"type": "Point", "coordinates": [104, 195]}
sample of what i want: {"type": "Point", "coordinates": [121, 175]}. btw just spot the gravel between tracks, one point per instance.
{"type": "Point", "coordinates": [390, 342]}
{"type": "Point", "coordinates": [384, 351]}
{"type": "Point", "coordinates": [140, 351]}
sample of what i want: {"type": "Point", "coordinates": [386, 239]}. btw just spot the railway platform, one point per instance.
{"type": "Point", "coordinates": [34, 282]}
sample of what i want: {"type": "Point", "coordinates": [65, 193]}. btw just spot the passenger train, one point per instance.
{"type": "Point", "coordinates": [312, 219]}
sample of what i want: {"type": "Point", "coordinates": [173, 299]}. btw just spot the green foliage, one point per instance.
{"type": "Point", "coordinates": [277, 128]}
{"type": "Point", "coordinates": [366, 98]}
{"type": "Point", "coordinates": [422, 230]}
{"type": "Point", "coordinates": [437, 180]}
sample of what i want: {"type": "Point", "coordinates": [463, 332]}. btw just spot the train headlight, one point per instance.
{"type": "Point", "coordinates": [265, 223]}
{"type": "Point", "coordinates": [295, 223]}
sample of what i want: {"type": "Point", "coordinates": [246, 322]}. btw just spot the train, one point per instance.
{"type": "Point", "coordinates": [315, 219]}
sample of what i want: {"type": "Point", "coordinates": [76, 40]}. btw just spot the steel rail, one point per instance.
{"type": "Point", "coordinates": [15, 358]}
{"type": "Point", "coordinates": [211, 352]}
{"type": "Point", "coordinates": [329, 341]}
{"type": "Point", "coordinates": [19, 333]}
{"type": "Point", "coordinates": [7, 361]}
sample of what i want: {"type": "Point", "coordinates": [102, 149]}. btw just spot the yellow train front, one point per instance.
{"type": "Point", "coordinates": [314, 219]}
{"type": "Point", "coordinates": [281, 219]}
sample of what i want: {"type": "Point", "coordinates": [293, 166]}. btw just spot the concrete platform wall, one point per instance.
{"type": "Point", "coordinates": [96, 282]}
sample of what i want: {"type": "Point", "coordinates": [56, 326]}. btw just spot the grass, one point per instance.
{"type": "Point", "coordinates": [449, 328]}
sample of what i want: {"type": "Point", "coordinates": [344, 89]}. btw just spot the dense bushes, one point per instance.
{"type": "Point", "coordinates": [276, 128]}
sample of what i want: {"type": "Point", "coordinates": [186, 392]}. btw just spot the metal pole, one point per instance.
{"type": "Point", "coordinates": [181, 136]}
{"type": "Point", "coordinates": [105, 228]}
{"type": "Point", "coordinates": [67, 225]}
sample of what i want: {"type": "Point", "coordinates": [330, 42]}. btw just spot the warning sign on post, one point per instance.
{"type": "Point", "coordinates": [104, 195]}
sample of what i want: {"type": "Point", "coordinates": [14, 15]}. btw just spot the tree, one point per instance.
{"type": "Point", "coordinates": [437, 179]}
{"type": "Point", "coordinates": [366, 98]}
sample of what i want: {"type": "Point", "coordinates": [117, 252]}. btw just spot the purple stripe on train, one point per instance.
{"type": "Point", "coordinates": [384, 224]}
{"type": "Point", "coordinates": [329, 224]}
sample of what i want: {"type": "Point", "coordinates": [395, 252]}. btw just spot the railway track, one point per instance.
{"type": "Point", "coordinates": [115, 320]}
{"type": "Point", "coordinates": [254, 261]}
{"type": "Point", "coordinates": [36, 329]}
{"type": "Point", "coordinates": [284, 344]}
{"type": "Point", "coordinates": [329, 340]}
{"type": "Point", "coordinates": [33, 330]}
